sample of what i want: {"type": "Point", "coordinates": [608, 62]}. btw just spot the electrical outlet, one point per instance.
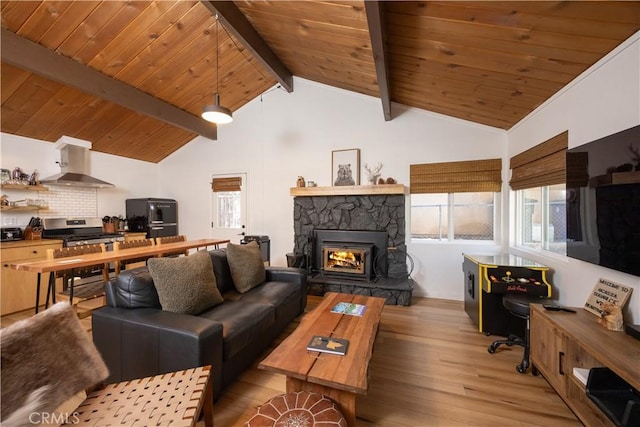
{"type": "Point", "coordinates": [9, 220]}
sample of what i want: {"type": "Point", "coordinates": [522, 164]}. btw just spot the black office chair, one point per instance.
{"type": "Point", "coordinates": [518, 305]}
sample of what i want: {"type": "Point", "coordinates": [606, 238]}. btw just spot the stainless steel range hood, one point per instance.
{"type": "Point", "coordinates": [74, 165]}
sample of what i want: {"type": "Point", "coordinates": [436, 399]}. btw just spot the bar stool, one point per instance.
{"type": "Point", "coordinates": [518, 305]}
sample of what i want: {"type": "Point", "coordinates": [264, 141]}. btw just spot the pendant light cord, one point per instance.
{"type": "Point", "coordinates": [217, 54]}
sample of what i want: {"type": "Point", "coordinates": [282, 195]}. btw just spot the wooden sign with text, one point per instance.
{"type": "Point", "coordinates": [607, 291]}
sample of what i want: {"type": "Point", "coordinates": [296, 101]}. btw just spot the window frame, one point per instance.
{"type": "Point", "coordinates": [518, 224]}
{"type": "Point", "coordinates": [449, 237]}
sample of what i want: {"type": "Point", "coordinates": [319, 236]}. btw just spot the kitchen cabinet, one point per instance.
{"type": "Point", "coordinates": [561, 341]}
{"type": "Point", "coordinates": [18, 290]}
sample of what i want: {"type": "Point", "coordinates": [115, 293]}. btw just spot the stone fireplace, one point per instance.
{"type": "Point", "coordinates": [365, 226]}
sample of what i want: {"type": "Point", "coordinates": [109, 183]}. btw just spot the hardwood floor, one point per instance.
{"type": "Point", "coordinates": [430, 367]}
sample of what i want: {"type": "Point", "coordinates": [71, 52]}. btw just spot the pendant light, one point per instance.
{"type": "Point", "coordinates": [216, 113]}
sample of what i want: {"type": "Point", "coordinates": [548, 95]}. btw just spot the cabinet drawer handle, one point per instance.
{"type": "Point", "coordinates": [35, 252]}
{"type": "Point", "coordinates": [560, 362]}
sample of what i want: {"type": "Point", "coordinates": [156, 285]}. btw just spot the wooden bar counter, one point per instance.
{"type": "Point", "coordinates": [54, 265]}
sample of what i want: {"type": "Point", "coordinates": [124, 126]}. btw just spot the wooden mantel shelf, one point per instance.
{"type": "Point", "coordinates": [349, 190]}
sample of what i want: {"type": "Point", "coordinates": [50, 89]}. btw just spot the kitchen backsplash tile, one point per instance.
{"type": "Point", "coordinates": [70, 201]}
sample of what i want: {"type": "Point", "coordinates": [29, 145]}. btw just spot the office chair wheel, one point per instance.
{"type": "Point", "coordinates": [492, 349]}
{"type": "Point", "coordinates": [522, 367]}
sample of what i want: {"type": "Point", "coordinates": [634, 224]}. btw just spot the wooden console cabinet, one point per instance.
{"type": "Point", "coordinates": [561, 341]}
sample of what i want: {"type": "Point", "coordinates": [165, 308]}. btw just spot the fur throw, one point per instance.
{"type": "Point", "coordinates": [49, 351]}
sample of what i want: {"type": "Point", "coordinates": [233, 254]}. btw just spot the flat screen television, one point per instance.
{"type": "Point", "coordinates": [603, 201]}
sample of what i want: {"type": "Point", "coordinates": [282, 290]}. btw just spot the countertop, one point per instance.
{"type": "Point", "coordinates": [12, 244]}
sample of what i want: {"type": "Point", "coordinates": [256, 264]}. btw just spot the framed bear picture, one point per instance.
{"type": "Point", "coordinates": [345, 167]}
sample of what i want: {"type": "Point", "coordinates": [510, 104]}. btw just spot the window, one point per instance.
{"type": "Point", "coordinates": [229, 206]}
{"type": "Point", "coordinates": [538, 177]}
{"type": "Point", "coordinates": [541, 218]}
{"type": "Point", "coordinates": [453, 216]}
{"type": "Point", "coordinates": [455, 200]}
{"type": "Point", "coordinates": [229, 209]}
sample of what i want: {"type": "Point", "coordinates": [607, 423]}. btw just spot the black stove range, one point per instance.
{"type": "Point", "coordinates": [79, 231]}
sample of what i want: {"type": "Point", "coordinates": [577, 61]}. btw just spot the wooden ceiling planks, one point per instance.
{"type": "Point", "coordinates": [59, 107]}
{"type": "Point", "coordinates": [505, 58]}
{"type": "Point", "coordinates": [120, 53]}
{"type": "Point", "coordinates": [138, 35]}
{"type": "Point", "coordinates": [78, 119]}
{"type": "Point", "coordinates": [100, 29]}
{"type": "Point", "coordinates": [316, 40]}
{"type": "Point", "coordinates": [491, 62]}
{"type": "Point", "coordinates": [42, 18]}
{"type": "Point", "coordinates": [25, 102]}
{"type": "Point", "coordinates": [11, 78]}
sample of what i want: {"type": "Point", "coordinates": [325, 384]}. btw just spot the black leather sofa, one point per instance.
{"type": "Point", "coordinates": [137, 338]}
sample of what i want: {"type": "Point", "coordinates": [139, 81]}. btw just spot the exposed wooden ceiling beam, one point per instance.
{"type": "Point", "coordinates": [375, 20]}
{"type": "Point", "coordinates": [236, 23]}
{"type": "Point", "coordinates": [30, 56]}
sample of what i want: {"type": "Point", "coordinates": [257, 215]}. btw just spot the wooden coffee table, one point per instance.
{"type": "Point", "coordinates": [340, 378]}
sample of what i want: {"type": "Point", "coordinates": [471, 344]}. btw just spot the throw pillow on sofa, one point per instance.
{"type": "Point", "coordinates": [246, 265]}
{"type": "Point", "coordinates": [185, 284]}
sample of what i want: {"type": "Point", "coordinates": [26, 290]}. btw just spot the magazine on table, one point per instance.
{"type": "Point", "coordinates": [349, 308]}
{"type": "Point", "coordinates": [328, 345]}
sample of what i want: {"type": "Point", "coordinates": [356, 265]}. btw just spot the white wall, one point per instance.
{"type": "Point", "coordinates": [602, 101]}
{"type": "Point", "coordinates": [132, 178]}
{"type": "Point", "coordinates": [289, 134]}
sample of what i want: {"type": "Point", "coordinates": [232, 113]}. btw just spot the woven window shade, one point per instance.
{"type": "Point", "coordinates": [457, 177]}
{"type": "Point", "coordinates": [226, 184]}
{"type": "Point", "coordinates": [541, 165]}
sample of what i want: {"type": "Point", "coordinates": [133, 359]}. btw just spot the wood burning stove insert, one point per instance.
{"type": "Point", "coordinates": [349, 259]}
{"type": "Point", "coordinates": [349, 253]}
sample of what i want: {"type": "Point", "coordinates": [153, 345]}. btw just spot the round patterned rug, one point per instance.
{"type": "Point", "coordinates": [298, 409]}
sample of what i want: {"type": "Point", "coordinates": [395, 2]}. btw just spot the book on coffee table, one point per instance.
{"type": "Point", "coordinates": [328, 345]}
{"type": "Point", "coordinates": [349, 308]}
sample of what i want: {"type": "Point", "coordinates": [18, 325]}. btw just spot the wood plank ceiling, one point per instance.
{"type": "Point", "coordinates": [485, 61]}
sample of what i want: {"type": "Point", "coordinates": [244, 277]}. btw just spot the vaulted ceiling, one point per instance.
{"type": "Point", "coordinates": [133, 76]}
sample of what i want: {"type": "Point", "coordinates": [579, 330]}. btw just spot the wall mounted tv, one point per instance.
{"type": "Point", "coordinates": [603, 201]}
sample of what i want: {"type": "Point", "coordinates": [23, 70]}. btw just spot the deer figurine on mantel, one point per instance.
{"type": "Point", "coordinates": [373, 173]}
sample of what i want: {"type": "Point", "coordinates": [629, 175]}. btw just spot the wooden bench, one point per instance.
{"type": "Point", "coordinates": [68, 275]}
{"type": "Point", "coordinates": [175, 398]}
{"type": "Point", "coordinates": [139, 243]}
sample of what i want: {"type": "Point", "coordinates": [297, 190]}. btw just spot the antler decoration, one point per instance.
{"type": "Point", "coordinates": [373, 174]}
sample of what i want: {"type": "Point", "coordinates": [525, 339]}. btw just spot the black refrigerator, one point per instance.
{"type": "Point", "coordinates": [156, 217]}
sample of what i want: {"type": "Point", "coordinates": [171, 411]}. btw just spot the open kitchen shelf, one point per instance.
{"type": "Point", "coordinates": [349, 190]}
{"type": "Point", "coordinates": [23, 187]}
{"type": "Point", "coordinates": [23, 208]}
